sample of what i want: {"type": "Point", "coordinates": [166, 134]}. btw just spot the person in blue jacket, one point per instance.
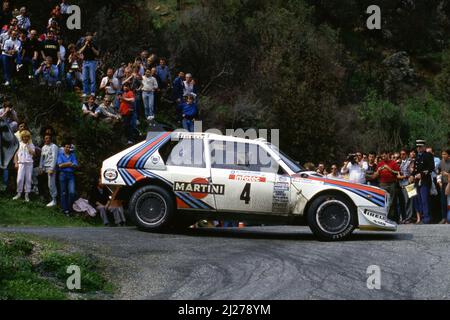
{"type": "Point", "coordinates": [66, 164]}
{"type": "Point", "coordinates": [189, 112]}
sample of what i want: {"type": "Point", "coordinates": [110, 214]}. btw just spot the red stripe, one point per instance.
{"type": "Point", "coordinates": [350, 185]}
{"type": "Point", "coordinates": [136, 175]}
{"type": "Point", "coordinates": [181, 204]}
{"type": "Point", "coordinates": [136, 157]}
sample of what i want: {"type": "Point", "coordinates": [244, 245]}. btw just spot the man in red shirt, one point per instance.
{"type": "Point", "coordinates": [126, 110]}
{"type": "Point", "coordinates": [388, 173]}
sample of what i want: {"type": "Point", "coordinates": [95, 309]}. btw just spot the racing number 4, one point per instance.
{"type": "Point", "coordinates": [245, 196]}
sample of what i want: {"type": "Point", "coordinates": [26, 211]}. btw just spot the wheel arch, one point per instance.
{"type": "Point", "coordinates": [331, 192]}
{"type": "Point", "coordinates": [127, 192]}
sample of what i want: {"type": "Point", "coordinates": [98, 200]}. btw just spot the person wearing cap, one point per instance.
{"type": "Point", "coordinates": [23, 161]}
{"type": "Point", "coordinates": [423, 168]}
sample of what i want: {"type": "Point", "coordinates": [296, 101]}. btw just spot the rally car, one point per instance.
{"type": "Point", "coordinates": [177, 178]}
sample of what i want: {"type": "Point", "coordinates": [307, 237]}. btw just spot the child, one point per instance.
{"type": "Point", "coordinates": [24, 163]}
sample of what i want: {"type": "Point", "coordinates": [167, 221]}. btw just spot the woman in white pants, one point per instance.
{"type": "Point", "coordinates": [24, 164]}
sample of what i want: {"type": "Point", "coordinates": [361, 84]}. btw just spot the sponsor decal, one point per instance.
{"type": "Point", "coordinates": [110, 175]}
{"type": "Point", "coordinates": [246, 178]}
{"type": "Point", "coordinates": [373, 214]}
{"type": "Point", "coordinates": [280, 199]}
{"type": "Point", "coordinates": [199, 188]}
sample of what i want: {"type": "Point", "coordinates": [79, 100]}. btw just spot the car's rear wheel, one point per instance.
{"type": "Point", "coordinates": [152, 208]}
{"type": "Point", "coordinates": [332, 217]}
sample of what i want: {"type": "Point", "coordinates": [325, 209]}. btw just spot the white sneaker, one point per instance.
{"type": "Point", "coordinates": [19, 66]}
{"type": "Point", "coordinates": [51, 204]}
{"type": "Point", "coordinates": [27, 197]}
{"type": "Point", "coordinates": [17, 197]}
{"type": "Point", "coordinates": [7, 84]}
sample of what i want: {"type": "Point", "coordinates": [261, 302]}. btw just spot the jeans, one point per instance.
{"type": "Point", "coordinates": [5, 178]}
{"type": "Point", "coordinates": [67, 186]}
{"type": "Point", "coordinates": [31, 65]}
{"type": "Point", "coordinates": [61, 73]}
{"type": "Point", "coordinates": [448, 209]}
{"type": "Point", "coordinates": [89, 69]}
{"type": "Point", "coordinates": [444, 201]}
{"type": "Point", "coordinates": [406, 205]}
{"type": "Point", "coordinates": [392, 189]}
{"type": "Point", "coordinates": [127, 126]}
{"type": "Point", "coordinates": [188, 125]}
{"type": "Point", "coordinates": [423, 203]}
{"type": "Point", "coordinates": [149, 103]}
{"type": "Point", "coordinates": [8, 64]}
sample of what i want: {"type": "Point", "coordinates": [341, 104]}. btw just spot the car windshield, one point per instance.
{"type": "Point", "coordinates": [293, 165]}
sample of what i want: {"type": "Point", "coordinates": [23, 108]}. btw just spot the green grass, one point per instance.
{"type": "Point", "coordinates": [19, 213]}
{"type": "Point", "coordinates": [35, 269]}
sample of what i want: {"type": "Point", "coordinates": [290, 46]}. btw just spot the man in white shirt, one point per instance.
{"type": "Point", "coordinates": [10, 51]}
{"type": "Point", "coordinates": [47, 165]}
{"type": "Point", "coordinates": [356, 169]}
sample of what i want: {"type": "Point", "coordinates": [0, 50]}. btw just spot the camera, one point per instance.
{"type": "Point", "coordinates": [352, 159]}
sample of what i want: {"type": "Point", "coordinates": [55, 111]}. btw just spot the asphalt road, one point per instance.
{"type": "Point", "coordinates": [267, 263]}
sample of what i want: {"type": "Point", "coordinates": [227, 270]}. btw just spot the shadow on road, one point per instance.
{"type": "Point", "coordinates": [253, 233]}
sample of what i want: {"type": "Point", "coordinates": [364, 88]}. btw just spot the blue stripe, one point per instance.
{"type": "Point", "coordinates": [198, 202]}
{"type": "Point", "coordinates": [123, 162]}
{"type": "Point", "coordinates": [139, 163]}
{"type": "Point", "coordinates": [125, 175]}
{"type": "Point", "coordinates": [185, 199]}
{"type": "Point", "coordinates": [143, 160]}
{"type": "Point", "coordinates": [126, 159]}
{"type": "Point", "coordinates": [364, 195]}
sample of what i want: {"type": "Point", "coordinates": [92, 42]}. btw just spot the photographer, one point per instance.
{"type": "Point", "coordinates": [110, 85]}
{"type": "Point", "coordinates": [355, 168]}
{"type": "Point", "coordinates": [9, 115]}
{"type": "Point", "coordinates": [48, 71]}
{"type": "Point", "coordinates": [90, 54]}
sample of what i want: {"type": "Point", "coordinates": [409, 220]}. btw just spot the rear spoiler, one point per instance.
{"type": "Point", "coordinates": [8, 144]}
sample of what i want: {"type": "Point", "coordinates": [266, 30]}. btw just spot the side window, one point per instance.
{"type": "Point", "coordinates": [188, 153]}
{"type": "Point", "coordinates": [241, 156]}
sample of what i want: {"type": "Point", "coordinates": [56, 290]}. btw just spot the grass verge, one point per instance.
{"type": "Point", "coordinates": [35, 269]}
{"type": "Point", "coordinates": [19, 213]}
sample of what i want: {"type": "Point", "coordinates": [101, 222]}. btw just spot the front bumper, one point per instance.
{"type": "Point", "coordinates": [375, 219]}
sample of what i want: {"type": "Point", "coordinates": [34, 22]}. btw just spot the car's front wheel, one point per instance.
{"type": "Point", "coordinates": [332, 217]}
{"type": "Point", "coordinates": [152, 208]}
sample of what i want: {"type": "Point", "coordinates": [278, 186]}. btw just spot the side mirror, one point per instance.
{"type": "Point", "coordinates": [8, 144]}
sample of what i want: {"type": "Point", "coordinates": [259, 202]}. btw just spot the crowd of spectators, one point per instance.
{"type": "Point", "coordinates": [416, 181]}
{"type": "Point", "coordinates": [131, 93]}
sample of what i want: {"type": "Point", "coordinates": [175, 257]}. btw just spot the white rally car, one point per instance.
{"type": "Point", "coordinates": [176, 178]}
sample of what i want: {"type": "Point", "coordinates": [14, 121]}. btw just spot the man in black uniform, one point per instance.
{"type": "Point", "coordinates": [424, 166]}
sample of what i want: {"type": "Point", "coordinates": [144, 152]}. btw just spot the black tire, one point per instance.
{"type": "Point", "coordinates": [332, 217]}
{"type": "Point", "coordinates": [152, 208]}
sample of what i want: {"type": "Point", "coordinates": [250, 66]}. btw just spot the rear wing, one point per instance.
{"type": "Point", "coordinates": [8, 144]}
